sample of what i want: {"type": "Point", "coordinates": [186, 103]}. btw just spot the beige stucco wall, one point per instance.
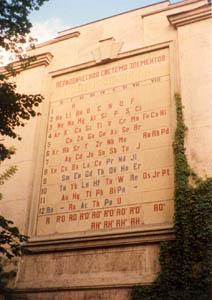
{"type": "Point", "coordinates": [195, 61]}
{"type": "Point", "coordinates": [136, 29]}
{"type": "Point", "coordinates": [190, 64]}
{"type": "Point", "coordinates": [17, 192]}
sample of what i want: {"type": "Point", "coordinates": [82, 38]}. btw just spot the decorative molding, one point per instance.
{"type": "Point", "coordinates": [35, 245]}
{"type": "Point", "coordinates": [170, 7]}
{"type": "Point", "coordinates": [58, 289]}
{"type": "Point", "coordinates": [108, 49]}
{"type": "Point", "coordinates": [43, 59]}
{"type": "Point", "coordinates": [59, 38]}
{"type": "Point", "coordinates": [190, 16]}
{"type": "Point", "coordinates": [164, 2]}
{"type": "Point", "coordinates": [119, 56]}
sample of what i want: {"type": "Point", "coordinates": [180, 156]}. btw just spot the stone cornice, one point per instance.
{"type": "Point", "coordinates": [43, 59]}
{"type": "Point", "coordinates": [171, 6]}
{"type": "Point", "coordinates": [59, 39]}
{"type": "Point", "coordinates": [120, 55]}
{"type": "Point", "coordinates": [36, 245]}
{"type": "Point", "coordinates": [190, 16]}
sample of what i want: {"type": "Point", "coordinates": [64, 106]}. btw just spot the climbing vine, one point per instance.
{"type": "Point", "coordinates": [186, 262]}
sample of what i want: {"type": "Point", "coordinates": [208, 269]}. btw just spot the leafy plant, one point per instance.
{"type": "Point", "coordinates": [186, 262]}
{"type": "Point", "coordinates": [11, 241]}
{"type": "Point", "coordinates": [15, 110]}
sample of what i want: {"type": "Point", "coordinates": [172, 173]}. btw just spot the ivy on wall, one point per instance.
{"type": "Point", "coordinates": [186, 262]}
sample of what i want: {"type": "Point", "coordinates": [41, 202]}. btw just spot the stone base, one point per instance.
{"type": "Point", "coordinates": [103, 294]}
{"type": "Point", "coordinates": [106, 273]}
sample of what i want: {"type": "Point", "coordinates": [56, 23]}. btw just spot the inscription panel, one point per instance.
{"type": "Point", "coordinates": [108, 163]}
{"type": "Point", "coordinates": [94, 268]}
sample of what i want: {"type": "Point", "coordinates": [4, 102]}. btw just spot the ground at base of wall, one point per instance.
{"type": "Point", "coordinates": [103, 294]}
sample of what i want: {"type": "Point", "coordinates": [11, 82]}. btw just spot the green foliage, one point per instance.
{"type": "Point", "coordinates": [6, 175]}
{"type": "Point", "coordinates": [15, 109]}
{"type": "Point", "coordinates": [6, 152]}
{"type": "Point", "coordinates": [11, 241]}
{"type": "Point", "coordinates": [186, 262]}
{"type": "Point", "coordinates": [15, 24]}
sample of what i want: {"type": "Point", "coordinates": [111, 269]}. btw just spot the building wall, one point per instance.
{"type": "Point", "coordinates": [106, 264]}
{"type": "Point", "coordinates": [195, 74]}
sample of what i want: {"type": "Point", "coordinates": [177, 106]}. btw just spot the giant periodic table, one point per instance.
{"type": "Point", "coordinates": [108, 162]}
